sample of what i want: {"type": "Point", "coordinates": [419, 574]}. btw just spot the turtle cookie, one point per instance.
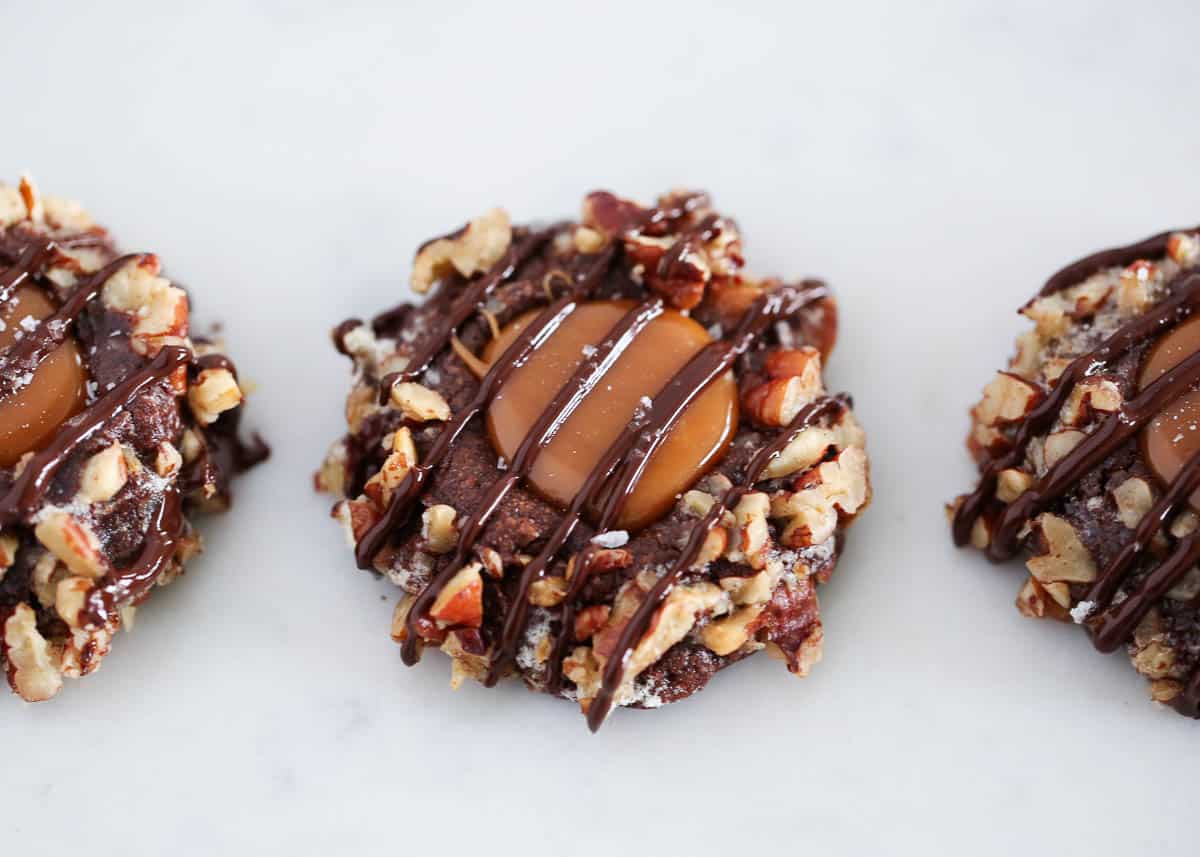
{"type": "Point", "coordinates": [1089, 450]}
{"type": "Point", "coordinates": [114, 427]}
{"type": "Point", "coordinates": [598, 456]}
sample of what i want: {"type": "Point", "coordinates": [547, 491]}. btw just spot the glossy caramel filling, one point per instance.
{"type": "Point", "coordinates": [1172, 437]}
{"type": "Point", "coordinates": [30, 417]}
{"type": "Point", "coordinates": [658, 352]}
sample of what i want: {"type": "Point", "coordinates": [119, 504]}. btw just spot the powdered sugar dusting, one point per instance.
{"type": "Point", "coordinates": [646, 693]}
{"type": "Point", "coordinates": [537, 631]}
{"type": "Point", "coordinates": [1082, 610]}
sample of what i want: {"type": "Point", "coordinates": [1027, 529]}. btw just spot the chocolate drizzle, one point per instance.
{"type": "Point", "coordinates": [24, 356]}
{"type": "Point", "coordinates": [29, 260]}
{"type": "Point", "coordinates": [614, 667]}
{"type": "Point", "coordinates": [631, 451]}
{"type": "Point", "coordinates": [669, 266]}
{"type": "Point", "coordinates": [565, 401]}
{"type": "Point", "coordinates": [340, 332]}
{"type": "Point", "coordinates": [129, 585]}
{"type": "Point", "coordinates": [533, 337]}
{"type": "Point", "coordinates": [1117, 257]}
{"type": "Point", "coordinates": [1182, 303]}
{"type": "Point", "coordinates": [27, 491]}
{"type": "Point", "coordinates": [1111, 624]}
{"type": "Point", "coordinates": [17, 240]}
{"type": "Point", "coordinates": [25, 495]}
{"type": "Point", "coordinates": [1106, 584]}
{"type": "Point", "coordinates": [225, 452]}
{"type": "Point", "coordinates": [1108, 436]}
{"type": "Point", "coordinates": [460, 310]}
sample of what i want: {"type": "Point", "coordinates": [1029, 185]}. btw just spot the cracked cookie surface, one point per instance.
{"type": "Point", "coordinates": [599, 456]}
{"type": "Point", "coordinates": [1088, 446]}
{"type": "Point", "coordinates": [115, 426]}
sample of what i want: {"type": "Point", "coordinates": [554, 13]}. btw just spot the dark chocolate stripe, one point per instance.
{"type": "Point", "coordinates": [31, 259]}
{"type": "Point", "coordinates": [565, 402]}
{"type": "Point", "coordinates": [532, 338]}
{"type": "Point", "coordinates": [341, 331]}
{"type": "Point", "coordinates": [1104, 440]}
{"type": "Point", "coordinates": [1182, 303]}
{"type": "Point", "coordinates": [696, 376]}
{"type": "Point", "coordinates": [632, 451]}
{"type": "Point", "coordinates": [1117, 257]}
{"type": "Point", "coordinates": [81, 240]}
{"type": "Point", "coordinates": [465, 306]}
{"type": "Point", "coordinates": [130, 584]}
{"type": "Point", "coordinates": [25, 354]}
{"type": "Point", "coordinates": [1113, 627]}
{"type": "Point", "coordinates": [704, 231]}
{"type": "Point", "coordinates": [1107, 582]}
{"type": "Point", "coordinates": [23, 497]}
{"type": "Point", "coordinates": [631, 635]}
{"type": "Point", "coordinates": [684, 205]}
{"type": "Point", "coordinates": [214, 361]}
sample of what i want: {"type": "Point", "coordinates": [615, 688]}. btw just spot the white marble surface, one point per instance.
{"type": "Point", "coordinates": [934, 164]}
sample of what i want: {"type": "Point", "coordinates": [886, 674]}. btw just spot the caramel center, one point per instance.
{"type": "Point", "coordinates": [30, 416]}
{"type": "Point", "coordinates": [1173, 436]}
{"type": "Point", "coordinates": [658, 352]}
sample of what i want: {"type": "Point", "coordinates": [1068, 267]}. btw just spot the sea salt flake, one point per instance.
{"type": "Point", "coordinates": [611, 539]}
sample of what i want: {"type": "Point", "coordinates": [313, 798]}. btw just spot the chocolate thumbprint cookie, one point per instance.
{"type": "Point", "coordinates": [115, 426]}
{"type": "Point", "coordinates": [1088, 446]}
{"type": "Point", "coordinates": [598, 456]}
